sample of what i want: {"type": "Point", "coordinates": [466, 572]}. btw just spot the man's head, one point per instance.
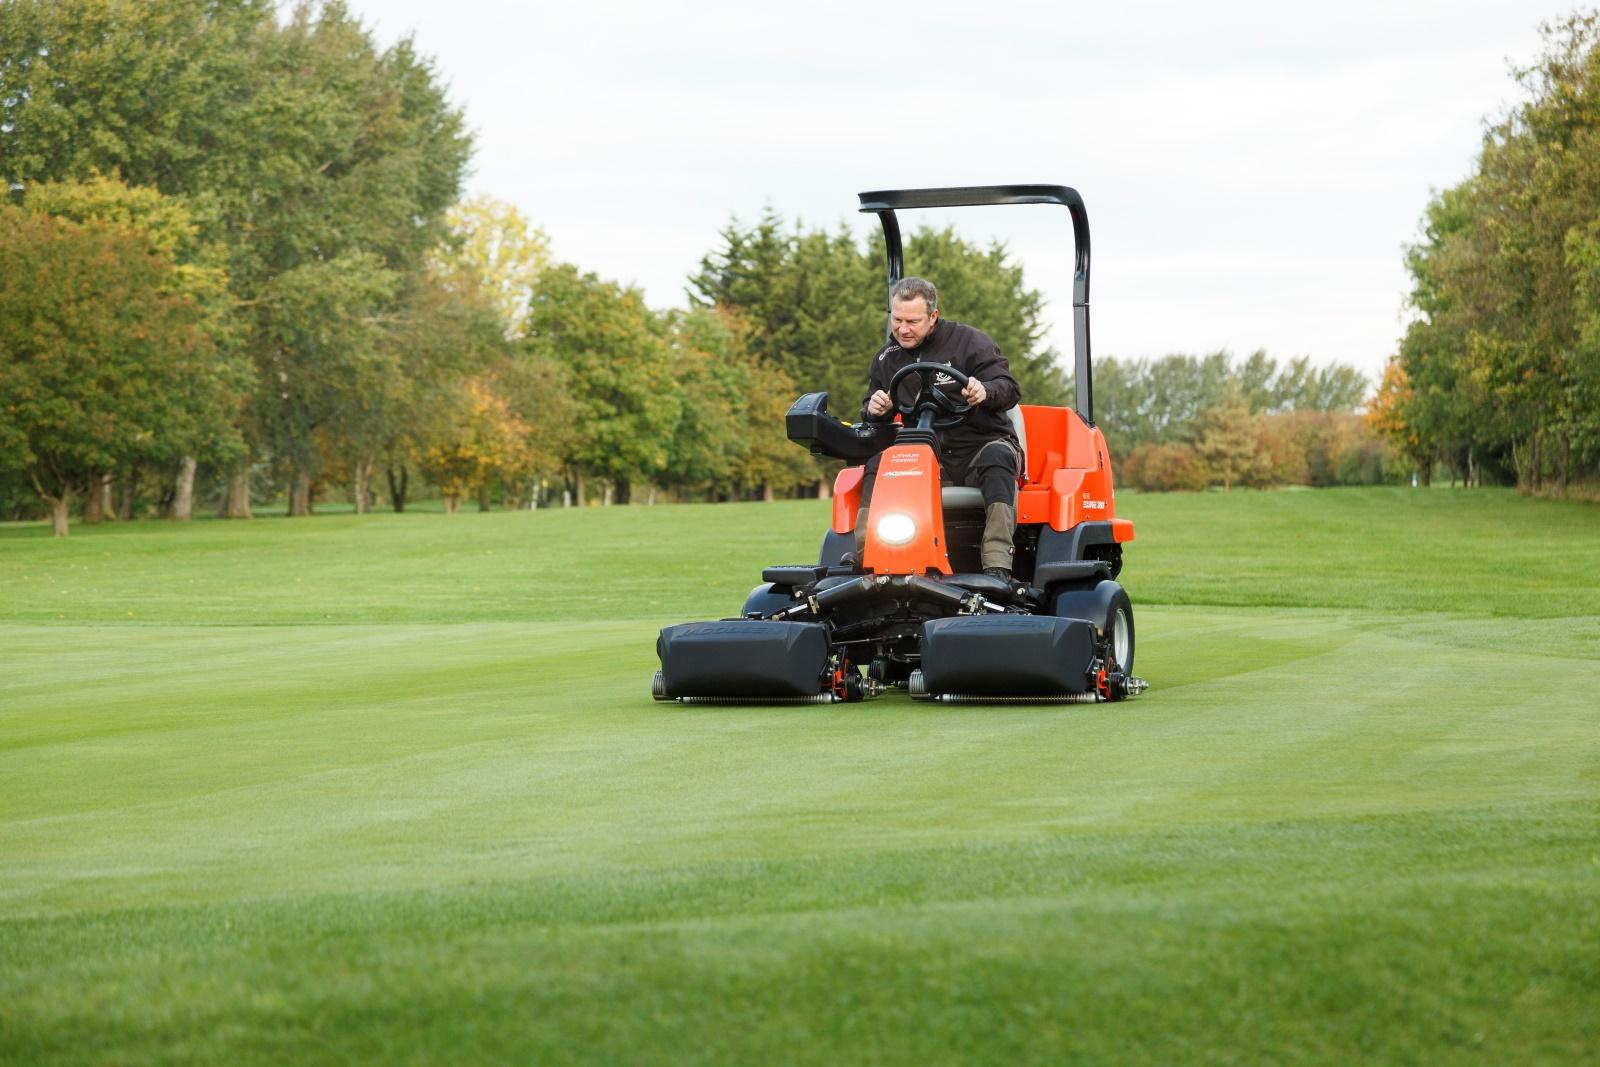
{"type": "Point", "coordinates": [913, 309]}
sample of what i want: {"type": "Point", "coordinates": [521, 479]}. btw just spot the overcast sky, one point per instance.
{"type": "Point", "coordinates": [1252, 170]}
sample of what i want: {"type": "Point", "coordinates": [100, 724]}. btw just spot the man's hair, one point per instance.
{"type": "Point", "coordinates": [911, 288]}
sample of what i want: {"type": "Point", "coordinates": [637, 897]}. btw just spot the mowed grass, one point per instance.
{"type": "Point", "coordinates": [391, 788]}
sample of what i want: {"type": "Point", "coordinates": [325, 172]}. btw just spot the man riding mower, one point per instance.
{"type": "Point", "coordinates": [905, 597]}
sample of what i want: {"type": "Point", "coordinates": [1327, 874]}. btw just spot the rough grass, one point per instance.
{"type": "Point", "coordinates": [429, 814]}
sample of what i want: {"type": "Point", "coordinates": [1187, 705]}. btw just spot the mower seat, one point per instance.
{"type": "Point", "coordinates": [961, 496]}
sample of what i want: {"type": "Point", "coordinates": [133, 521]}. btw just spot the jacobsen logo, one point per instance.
{"type": "Point", "coordinates": [900, 474]}
{"type": "Point", "coordinates": [943, 379]}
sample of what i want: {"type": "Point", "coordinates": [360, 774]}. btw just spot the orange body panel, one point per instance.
{"type": "Point", "coordinates": [907, 484]}
{"type": "Point", "coordinates": [1066, 480]}
{"type": "Point", "coordinates": [847, 498]}
{"type": "Point", "coordinates": [1068, 477]}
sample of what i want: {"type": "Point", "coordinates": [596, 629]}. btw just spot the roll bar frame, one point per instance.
{"type": "Point", "coordinates": [884, 203]}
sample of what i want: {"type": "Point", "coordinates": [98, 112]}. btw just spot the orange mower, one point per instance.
{"type": "Point", "coordinates": [916, 611]}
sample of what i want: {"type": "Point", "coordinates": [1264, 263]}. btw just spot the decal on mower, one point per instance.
{"type": "Point", "coordinates": [900, 474]}
{"type": "Point", "coordinates": [1093, 505]}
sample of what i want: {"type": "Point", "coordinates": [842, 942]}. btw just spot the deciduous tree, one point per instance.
{"type": "Point", "coordinates": [488, 440]}
{"type": "Point", "coordinates": [619, 364]}
{"type": "Point", "coordinates": [204, 422]}
{"type": "Point", "coordinates": [297, 141]}
{"type": "Point", "coordinates": [493, 254]}
{"type": "Point", "coordinates": [98, 352]}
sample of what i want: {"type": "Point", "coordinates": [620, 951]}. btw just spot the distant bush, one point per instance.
{"type": "Point", "coordinates": [1316, 448]}
{"type": "Point", "coordinates": [1164, 468]}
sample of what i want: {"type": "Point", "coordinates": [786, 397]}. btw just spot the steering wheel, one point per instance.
{"type": "Point", "coordinates": [948, 408]}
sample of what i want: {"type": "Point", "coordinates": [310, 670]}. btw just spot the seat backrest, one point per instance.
{"type": "Point", "coordinates": [1020, 425]}
{"type": "Point", "coordinates": [1045, 446]}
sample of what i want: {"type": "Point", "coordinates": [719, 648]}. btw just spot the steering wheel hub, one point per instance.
{"type": "Point", "coordinates": [947, 409]}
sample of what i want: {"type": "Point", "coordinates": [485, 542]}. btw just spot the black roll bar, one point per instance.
{"type": "Point", "coordinates": [884, 203]}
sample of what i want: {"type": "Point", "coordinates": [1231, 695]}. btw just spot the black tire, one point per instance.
{"type": "Point", "coordinates": [1119, 628]}
{"type": "Point", "coordinates": [1106, 604]}
{"type": "Point", "coordinates": [766, 598]}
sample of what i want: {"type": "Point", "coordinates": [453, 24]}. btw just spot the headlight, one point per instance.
{"type": "Point", "coordinates": [896, 528]}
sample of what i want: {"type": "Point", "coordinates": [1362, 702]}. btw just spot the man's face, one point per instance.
{"type": "Point", "coordinates": [910, 321]}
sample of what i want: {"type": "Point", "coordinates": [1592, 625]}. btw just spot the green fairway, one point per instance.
{"type": "Point", "coordinates": [391, 788]}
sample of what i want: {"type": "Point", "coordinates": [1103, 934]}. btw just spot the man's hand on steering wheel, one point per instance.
{"type": "Point", "coordinates": [974, 392]}
{"type": "Point", "coordinates": [943, 409]}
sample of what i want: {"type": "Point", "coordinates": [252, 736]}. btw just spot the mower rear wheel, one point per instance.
{"type": "Point", "coordinates": [1119, 628]}
{"type": "Point", "coordinates": [1106, 605]}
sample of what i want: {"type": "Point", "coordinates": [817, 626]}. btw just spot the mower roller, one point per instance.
{"type": "Point", "coordinates": [916, 611]}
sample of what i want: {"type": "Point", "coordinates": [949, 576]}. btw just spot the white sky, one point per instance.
{"type": "Point", "coordinates": [1252, 170]}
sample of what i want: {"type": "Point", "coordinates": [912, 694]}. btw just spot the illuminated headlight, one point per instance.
{"type": "Point", "coordinates": [896, 528]}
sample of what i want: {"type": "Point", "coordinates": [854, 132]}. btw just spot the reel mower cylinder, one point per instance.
{"type": "Point", "coordinates": [1007, 655]}
{"type": "Point", "coordinates": [747, 658]}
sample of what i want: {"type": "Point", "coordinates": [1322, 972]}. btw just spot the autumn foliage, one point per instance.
{"type": "Point", "coordinates": [484, 440]}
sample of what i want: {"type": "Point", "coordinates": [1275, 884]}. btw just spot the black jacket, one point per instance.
{"type": "Point", "coordinates": [969, 350]}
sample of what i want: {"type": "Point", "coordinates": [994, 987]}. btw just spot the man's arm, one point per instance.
{"type": "Point", "coordinates": [990, 368]}
{"type": "Point", "coordinates": [877, 381]}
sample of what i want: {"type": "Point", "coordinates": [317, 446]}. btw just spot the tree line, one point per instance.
{"type": "Point", "coordinates": [235, 266]}
{"type": "Point", "coordinates": [1498, 376]}
{"type": "Point", "coordinates": [1185, 422]}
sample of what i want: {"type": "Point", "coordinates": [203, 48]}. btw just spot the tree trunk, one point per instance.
{"type": "Point", "coordinates": [60, 512]}
{"type": "Point", "coordinates": [452, 503]}
{"type": "Point", "coordinates": [360, 475]}
{"type": "Point", "coordinates": [397, 487]}
{"type": "Point", "coordinates": [651, 499]}
{"type": "Point", "coordinates": [1472, 468]}
{"type": "Point", "coordinates": [768, 494]}
{"type": "Point", "coordinates": [97, 503]}
{"type": "Point", "coordinates": [60, 508]}
{"type": "Point", "coordinates": [300, 493]}
{"type": "Point", "coordinates": [824, 490]}
{"type": "Point", "coordinates": [605, 498]}
{"type": "Point", "coordinates": [238, 502]}
{"type": "Point", "coordinates": [129, 483]}
{"type": "Point", "coordinates": [624, 491]}
{"type": "Point", "coordinates": [578, 497]}
{"type": "Point", "coordinates": [183, 502]}
{"type": "Point", "coordinates": [484, 501]}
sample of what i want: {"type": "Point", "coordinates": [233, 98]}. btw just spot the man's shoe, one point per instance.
{"type": "Point", "coordinates": [998, 572]}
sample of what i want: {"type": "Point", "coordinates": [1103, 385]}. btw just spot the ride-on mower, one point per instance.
{"type": "Point", "coordinates": [915, 610]}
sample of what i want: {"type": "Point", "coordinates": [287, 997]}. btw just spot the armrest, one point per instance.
{"type": "Point", "coordinates": [808, 423]}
